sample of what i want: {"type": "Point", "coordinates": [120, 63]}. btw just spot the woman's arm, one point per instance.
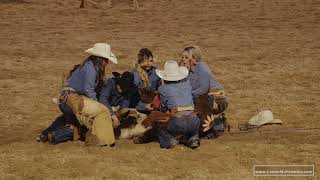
{"type": "Point", "coordinates": [204, 76]}
{"type": "Point", "coordinates": [106, 93]}
{"type": "Point", "coordinates": [90, 75]}
{"type": "Point", "coordinates": [163, 101]}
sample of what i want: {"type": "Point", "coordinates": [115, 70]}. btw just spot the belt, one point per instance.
{"type": "Point", "coordinates": [174, 110]}
{"type": "Point", "coordinates": [65, 91]}
{"type": "Point", "coordinates": [185, 116]}
{"type": "Point", "coordinates": [215, 92]}
{"type": "Point", "coordinates": [69, 89]}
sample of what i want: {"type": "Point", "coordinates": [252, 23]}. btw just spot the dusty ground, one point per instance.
{"type": "Point", "coordinates": [265, 52]}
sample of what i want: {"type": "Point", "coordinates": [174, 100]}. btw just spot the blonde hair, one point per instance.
{"type": "Point", "coordinates": [194, 51]}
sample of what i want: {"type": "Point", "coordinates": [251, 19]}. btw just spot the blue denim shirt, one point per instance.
{"type": "Point", "coordinates": [83, 80]}
{"type": "Point", "coordinates": [154, 79]}
{"type": "Point", "coordinates": [176, 95]}
{"type": "Point", "coordinates": [202, 79]}
{"type": "Point", "coordinates": [110, 96]}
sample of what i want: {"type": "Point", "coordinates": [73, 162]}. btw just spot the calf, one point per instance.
{"type": "Point", "coordinates": [130, 124]}
{"type": "Point", "coordinates": [210, 110]}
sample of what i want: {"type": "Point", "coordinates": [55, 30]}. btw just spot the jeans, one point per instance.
{"type": "Point", "coordinates": [61, 121]}
{"type": "Point", "coordinates": [61, 135]}
{"type": "Point", "coordinates": [188, 127]}
{"type": "Point", "coordinates": [58, 123]}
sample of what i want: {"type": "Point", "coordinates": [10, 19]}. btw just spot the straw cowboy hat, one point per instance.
{"type": "Point", "coordinates": [264, 117]}
{"type": "Point", "coordinates": [172, 71]}
{"type": "Point", "coordinates": [102, 50]}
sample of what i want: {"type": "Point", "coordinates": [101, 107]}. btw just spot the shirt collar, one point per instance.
{"type": "Point", "coordinates": [194, 68]}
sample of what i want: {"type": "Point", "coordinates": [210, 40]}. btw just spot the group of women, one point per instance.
{"type": "Point", "coordinates": [87, 99]}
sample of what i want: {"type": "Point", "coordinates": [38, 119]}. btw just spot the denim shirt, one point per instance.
{"type": "Point", "coordinates": [154, 79]}
{"type": "Point", "coordinates": [176, 95]}
{"type": "Point", "coordinates": [202, 80]}
{"type": "Point", "coordinates": [110, 96]}
{"type": "Point", "coordinates": [83, 80]}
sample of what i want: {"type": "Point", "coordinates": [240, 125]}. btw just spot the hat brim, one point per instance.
{"type": "Point", "coordinates": [275, 121]}
{"type": "Point", "coordinates": [112, 57]}
{"type": "Point", "coordinates": [182, 73]}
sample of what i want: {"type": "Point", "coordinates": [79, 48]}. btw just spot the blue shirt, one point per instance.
{"type": "Point", "coordinates": [176, 95]}
{"type": "Point", "coordinates": [202, 80]}
{"type": "Point", "coordinates": [154, 79]}
{"type": "Point", "coordinates": [84, 80]}
{"type": "Point", "coordinates": [110, 96]}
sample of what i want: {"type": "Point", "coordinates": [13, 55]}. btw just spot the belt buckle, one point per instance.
{"type": "Point", "coordinates": [174, 110]}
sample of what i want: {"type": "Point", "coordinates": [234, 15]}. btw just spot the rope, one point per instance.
{"type": "Point", "coordinates": [273, 130]}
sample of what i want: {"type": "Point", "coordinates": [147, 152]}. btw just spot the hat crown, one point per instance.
{"type": "Point", "coordinates": [171, 68]}
{"type": "Point", "coordinates": [103, 48]}
{"type": "Point", "coordinates": [172, 71]}
{"type": "Point", "coordinates": [261, 118]}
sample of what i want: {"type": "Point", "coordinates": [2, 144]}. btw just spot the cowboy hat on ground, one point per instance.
{"type": "Point", "coordinates": [172, 71]}
{"type": "Point", "coordinates": [264, 117]}
{"type": "Point", "coordinates": [102, 50]}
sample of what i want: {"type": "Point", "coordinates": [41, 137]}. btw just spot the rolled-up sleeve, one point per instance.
{"type": "Point", "coordinates": [89, 84]}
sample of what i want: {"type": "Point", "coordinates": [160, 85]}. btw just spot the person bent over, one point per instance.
{"type": "Point", "coordinates": [176, 99]}
{"type": "Point", "coordinates": [78, 99]}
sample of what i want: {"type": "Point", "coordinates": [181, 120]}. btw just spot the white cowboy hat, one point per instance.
{"type": "Point", "coordinates": [264, 117]}
{"type": "Point", "coordinates": [172, 71]}
{"type": "Point", "coordinates": [102, 50]}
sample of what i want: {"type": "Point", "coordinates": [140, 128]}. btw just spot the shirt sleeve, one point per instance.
{"type": "Point", "coordinates": [214, 84]}
{"type": "Point", "coordinates": [125, 103]}
{"type": "Point", "coordinates": [163, 101]}
{"type": "Point", "coordinates": [89, 84]}
{"type": "Point", "coordinates": [204, 81]}
{"type": "Point", "coordinates": [106, 93]}
{"type": "Point", "coordinates": [155, 79]}
{"type": "Point", "coordinates": [141, 106]}
{"type": "Point", "coordinates": [137, 79]}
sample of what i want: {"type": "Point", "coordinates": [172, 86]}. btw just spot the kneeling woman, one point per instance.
{"type": "Point", "coordinates": [206, 90]}
{"type": "Point", "coordinates": [176, 98]}
{"type": "Point", "coordinates": [145, 77]}
{"type": "Point", "coordinates": [78, 98]}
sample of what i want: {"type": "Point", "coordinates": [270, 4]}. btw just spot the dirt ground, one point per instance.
{"type": "Point", "coordinates": [265, 52]}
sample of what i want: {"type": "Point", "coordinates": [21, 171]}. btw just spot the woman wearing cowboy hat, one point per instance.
{"type": "Point", "coordinates": [78, 98]}
{"type": "Point", "coordinates": [145, 75]}
{"type": "Point", "coordinates": [176, 98]}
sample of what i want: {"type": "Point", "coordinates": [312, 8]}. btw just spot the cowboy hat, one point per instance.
{"type": "Point", "coordinates": [172, 71]}
{"type": "Point", "coordinates": [102, 50]}
{"type": "Point", "coordinates": [126, 82]}
{"type": "Point", "coordinates": [264, 117]}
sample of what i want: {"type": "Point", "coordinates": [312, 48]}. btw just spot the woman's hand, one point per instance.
{"type": "Point", "coordinates": [115, 120]}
